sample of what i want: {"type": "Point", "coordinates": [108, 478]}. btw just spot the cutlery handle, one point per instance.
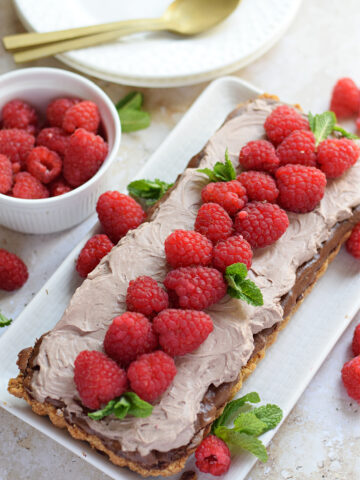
{"type": "Point", "coordinates": [24, 40]}
{"type": "Point", "coordinates": [81, 42]}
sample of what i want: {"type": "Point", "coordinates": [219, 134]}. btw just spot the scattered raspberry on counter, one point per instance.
{"type": "Point", "coordinates": [6, 174]}
{"type": "Point", "coordinates": [118, 213]}
{"type": "Point", "coordinates": [230, 195]}
{"type": "Point", "coordinates": [56, 110]}
{"type": "Point", "coordinates": [19, 114]}
{"type": "Point", "coordinates": [151, 375]}
{"type": "Point", "coordinates": [301, 188]}
{"type": "Point", "coordinates": [195, 288]}
{"type": "Point", "coordinates": [353, 242]}
{"type": "Point", "coordinates": [98, 379]}
{"type": "Point", "coordinates": [84, 114]}
{"type": "Point", "coordinates": [282, 121]}
{"type": "Point", "coordinates": [355, 346]}
{"type": "Point", "coordinates": [259, 155]}
{"type": "Point", "coordinates": [186, 248]}
{"type": "Point", "coordinates": [350, 375]}
{"type": "Point", "coordinates": [129, 335]}
{"type": "Point", "coordinates": [182, 331]}
{"type": "Point", "coordinates": [13, 271]}
{"type": "Point", "coordinates": [232, 250]}
{"type": "Point", "coordinates": [261, 224]}
{"type": "Point", "coordinates": [53, 138]}
{"type": "Point", "coordinates": [27, 186]}
{"type": "Point", "coordinates": [145, 296]}
{"type": "Point", "coordinates": [345, 99]}
{"type": "Point", "coordinates": [335, 156]}
{"type": "Point", "coordinates": [213, 456]}
{"type": "Point", "coordinates": [259, 186]}
{"type": "Point", "coordinates": [214, 222]}
{"type": "Point", "coordinates": [298, 147]}
{"type": "Point", "coordinates": [93, 251]}
{"type": "Point", "coordinates": [43, 164]}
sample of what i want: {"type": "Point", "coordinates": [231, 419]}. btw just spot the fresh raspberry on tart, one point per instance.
{"type": "Point", "coordinates": [282, 121]}
{"type": "Point", "coordinates": [298, 147]}
{"type": "Point", "coordinates": [353, 242]}
{"type": "Point", "coordinates": [230, 195]}
{"type": "Point", "coordinates": [259, 155]}
{"type": "Point", "coordinates": [144, 295]}
{"type": "Point", "coordinates": [336, 155]}
{"type": "Point", "coordinates": [232, 250]}
{"type": "Point", "coordinates": [260, 186]}
{"type": "Point", "coordinates": [184, 248]}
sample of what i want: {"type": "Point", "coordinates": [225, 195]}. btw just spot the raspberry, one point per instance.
{"type": "Point", "coordinates": [118, 213]}
{"type": "Point", "coordinates": [16, 144]}
{"type": "Point", "coordinates": [6, 174]}
{"type": "Point", "coordinates": [59, 187]}
{"type": "Point", "coordinates": [353, 242]}
{"type": "Point", "coordinates": [84, 156]}
{"type": "Point", "coordinates": [53, 138]}
{"type": "Point", "coordinates": [282, 121]}
{"type": "Point", "coordinates": [301, 188]}
{"type": "Point", "coordinates": [98, 379]}
{"type": "Point", "coordinates": [84, 115]}
{"type": "Point", "coordinates": [261, 224]}
{"type": "Point", "coordinates": [151, 375]}
{"type": "Point", "coordinates": [335, 156]}
{"type": "Point", "coordinates": [358, 123]}
{"type": "Point", "coordinates": [19, 114]}
{"type": "Point", "coordinates": [213, 222]}
{"type": "Point", "coordinates": [57, 108]}
{"type": "Point", "coordinates": [182, 331]}
{"type": "Point", "coordinates": [93, 251]}
{"type": "Point", "coordinates": [298, 147]}
{"type": "Point", "coordinates": [43, 164]}
{"type": "Point", "coordinates": [195, 288]}
{"type": "Point", "coordinates": [356, 341]}
{"type": "Point", "coordinates": [13, 271]}
{"type": "Point", "coordinates": [233, 250]}
{"type": "Point", "coordinates": [350, 375]}
{"type": "Point", "coordinates": [130, 335]}
{"type": "Point", "coordinates": [230, 195]}
{"type": "Point", "coordinates": [213, 456]}
{"type": "Point", "coordinates": [144, 295]}
{"type": "Point", "coordinates": [184, 248]}
{"type": "Point", "coordinates": [259, 186]}
{"type": "Point", "coordinates": [259, 155]}
{"type": "Point", "coordinates": [345, 99]}
{"type": "Point", "coordinates": [27, 186]}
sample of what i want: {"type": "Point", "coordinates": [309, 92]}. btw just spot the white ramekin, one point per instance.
{"type": "Point", "coordinates": [39, 86]}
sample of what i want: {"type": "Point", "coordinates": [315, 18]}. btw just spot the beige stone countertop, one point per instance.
{"type": "Point", "coordinates": [321, 437]}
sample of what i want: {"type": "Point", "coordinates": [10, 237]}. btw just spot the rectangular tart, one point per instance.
{"type": "Point", "coordinates": [208, 377]}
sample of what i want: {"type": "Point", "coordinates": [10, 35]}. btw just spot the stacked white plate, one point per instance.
{"type": "Point", "coordinates": [162, 59]}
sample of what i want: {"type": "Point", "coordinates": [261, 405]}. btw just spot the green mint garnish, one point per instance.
{"type": "Point", "coordinates": [323, 124]}
{"type": "Point", "coordinates": [132, 117]}
{"type": "Point", "coordinates": [148, 190]}
{"type": "Point", "coordinates": [222, 172]}
{"type": "Point", "coordinates": [241, 287]}
{"type": "Point", "coordinates": [128, 404]}
{"type": "Point", "coordinates": [4, 322]}
{"type": "Point", "coordinates": [248, 425]}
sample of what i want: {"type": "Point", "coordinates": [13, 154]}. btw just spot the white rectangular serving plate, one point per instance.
{"type": "Point", "coordinates": [289, 365]}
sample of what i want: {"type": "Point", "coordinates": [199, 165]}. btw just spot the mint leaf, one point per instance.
{"type": "Point", "coordinates": [244, 441]}
{"type": "Point", "coordinates": [241, 287]}
{"type": "Point", "coordinates": [270, 415]}
{"type": "Point", "coordinates": [132, 120]}
{"type": "Point", "coordinates": [149, 190]}
{"type": "Point", "coordinates": [222, 172]}
{"type": "Point", "coordinates": [4, 322]}
{"type": "Point", "coordinates": [233, 407]}
{"type": "Point", "coordinates": [322, 125]}
{"type": "Point", "coordinates": [132, 100]}
{"type": "Point", "coordinates": [345, 133]}
{"type": "Point", "coordinates": [248, 422]}
{"type": "Point", "coordinates": [128, 404]}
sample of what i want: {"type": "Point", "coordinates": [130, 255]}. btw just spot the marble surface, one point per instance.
{"type": "Point", "coordinates": [321, 437]}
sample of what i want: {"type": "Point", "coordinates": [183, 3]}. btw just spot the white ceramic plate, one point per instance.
{"type": "Point", "coordinates": [162, 59]}
{"type": "Point", "coordinates": [289, 365]}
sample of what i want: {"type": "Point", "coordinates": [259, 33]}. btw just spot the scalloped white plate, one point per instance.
{"type": "Point", "coordinates": [289, 365]}
{"type": "Point", "coordinates": [162, 59]}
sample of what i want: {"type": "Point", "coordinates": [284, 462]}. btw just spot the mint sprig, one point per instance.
{"type": "Point", "coordinates": [241, 287]}
{"type": "Point", "coordinates": [132, 117]}
{"type": "Point", "coordinates": [324, 124]}
{"type": "Point", "coordinates": [4, 321]}
{"type": "Point", "coordinates": [248, 425]}
{"type": "Point", "coordinates": [128, 404]}
{"type": "Point", "coordinates": [148, 190]}
{"type": "Point", "coordinates": [222, 172]}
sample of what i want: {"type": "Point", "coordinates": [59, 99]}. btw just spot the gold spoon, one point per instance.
{"type": "Point", "coordinates": [185, 17]}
